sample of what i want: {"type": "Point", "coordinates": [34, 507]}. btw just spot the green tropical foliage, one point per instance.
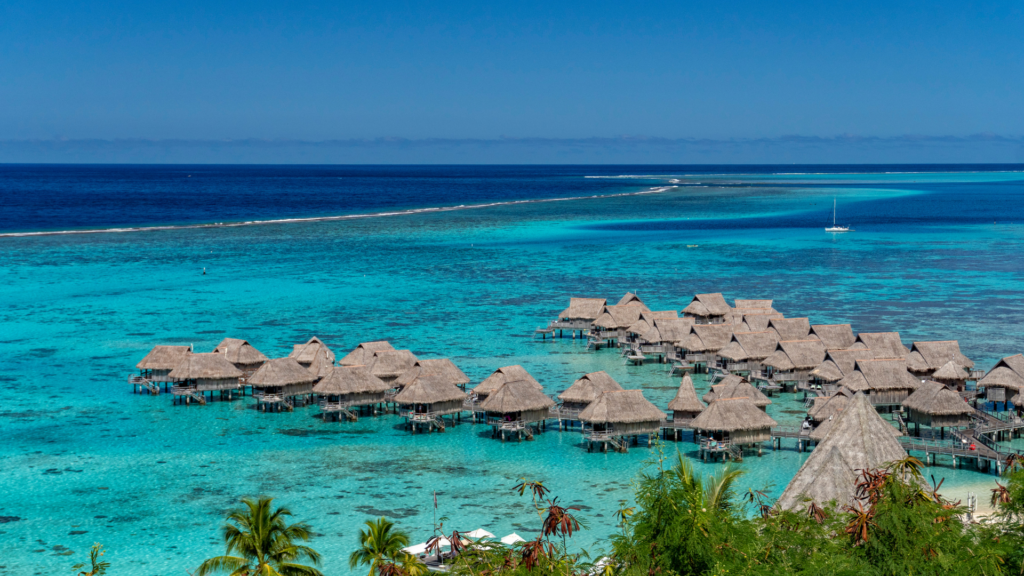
{"type": "Point", "coordinates": [97, 566]}
{"type": "Point", "coordinates": [260, 542]}
{"type": "Point", "coordinates": [380, 548]}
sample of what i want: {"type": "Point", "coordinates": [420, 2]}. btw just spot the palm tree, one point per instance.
{"type": "Point", "coordinates": [263, 544]}
{"type": "Point", "coordinates": [380, 544]}
{"type": "Point", "coordinates": [98, 568]}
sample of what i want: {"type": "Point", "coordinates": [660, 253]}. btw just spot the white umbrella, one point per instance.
{"type": "Point", "coordinates": [478, 534]}
{"type": "Point", "coordinates": [416, 549]}
{"type": "Point", "coordinates": [512, 539]}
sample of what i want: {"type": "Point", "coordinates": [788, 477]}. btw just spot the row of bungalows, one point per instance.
{"type": "Point", "coordinates": [611, 327]}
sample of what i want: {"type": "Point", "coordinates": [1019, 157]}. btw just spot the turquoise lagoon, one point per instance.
{"type": "Point", "coordinates": [935, 256]}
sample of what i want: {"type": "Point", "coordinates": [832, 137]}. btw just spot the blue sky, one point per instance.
{"type": "Point", "coordinates": [167, 80]}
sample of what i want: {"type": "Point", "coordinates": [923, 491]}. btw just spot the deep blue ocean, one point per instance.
{"type": "Point", "coordinates": [936, 254]}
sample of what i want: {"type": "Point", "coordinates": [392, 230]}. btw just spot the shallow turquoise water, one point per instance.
{"type": "Point", "coordinates": [84, 460]}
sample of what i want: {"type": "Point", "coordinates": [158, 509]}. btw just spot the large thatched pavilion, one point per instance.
{"type": "Point", "coordinates": [281, 382]}
{"type": "Point", "coordinates": [243, 355]}
{"type": "Point", "coordinates": [348, 387]}
{"type": "Point", "coordinates": [515, 407]}
{"type": "Point", "coordinates": [198, 374]}
{"type": "Point", "coordinates": [618, 416]}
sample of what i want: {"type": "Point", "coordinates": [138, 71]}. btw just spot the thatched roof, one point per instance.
{"type": "Point", "coordinates": [705, 305]}
{"type": "Point", "coordinates": [755, 322]}
{"type": "Point", "coordinates": [825, 407]}
{"type": "Point", "coordinates": [686, 398]}
{"type": "Point", "coordinates": [732, 414]}
{"type": "Point", "coordinates": [210, 366]}
{"type": "Point", "coordinates": [935, 399]}
{"type": "Point", "coordinates": [322, 362]}
{"type": "Point", "coordinates": [950, 371]}
{"type": "Point", "coordinates": [834, 336]}
{"type": "Point", "coordinates": [766, 304]}
{"type": "Point", "coordinates": [733, 386]}
{"type": "Point", "coordinates": [791, 328]}
{"type": "Point", "coordinates": [615, 317]}
{"type": "Point", "coordinates": [583, 308]}
{"type": "Point", "coordinates": [516, 396]}
{"type": "Point", "coordinates": [929, 356]}
{"type": "Point", "coordinates": [647, 319]}
{"type": "Point", "coordinates": [363, 354]}
{"type": "Point", "coordinates": [281, 372]}
{"type": "Point", "coordinates": [239, 352]}
{"type": "Point", "coordinates": [631, 299]}
{"type": "Point", "coordinates": [444, 368]}
{"type": "Point", "coordinates": [621, 407]}
{"type": "Point", "coordinates": [391, 363]}
{"type": "Point", "coordinates": [350, 380]}
{"type": "Point", "coordinates": [668, 330]}
{"type": "Point", "coordinates": [839, 363]}
{"type": "Point", "coordinates": [1007, 373]}
{"type": "Point", "coordinates": [884, 344]}
{"type": "Point", "coordinates": [164, 358]}
{"type": "Point", "coordinates": [429, 390]}
{"type": "Point", "coordinates": [750, 346]}
{"type": "Point", "coordinates": [887, 374]}
{"type": "Point", "coordinates": [589, 387]}
{"type": "Point", "coordinates": [306, 353]}
{"type": "Point", "coordinates": [502, 375]}
{"type": "Point", "coordinates": [857, 439]}
{"type": "Point", "coordinates": [796, 355]}
{"type": "Point", "coordinates": [708, 337]}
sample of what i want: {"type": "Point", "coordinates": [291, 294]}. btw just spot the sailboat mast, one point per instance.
{"type": "Point", "coordinates": [833, 211]}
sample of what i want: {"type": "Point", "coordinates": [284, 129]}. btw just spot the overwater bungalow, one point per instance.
{"type": "Point", "coordinates": [583, 393]}
{"type": "Point", "coordinates": [312, 351]}
{"type": "Point", "coordinates": [856, 439]}
{"type": "Point", "coordinates": [884, 344]}
{"type": "Point", "coordinates": [388, 365]}
{"type": "Point", "coordinates": [837, 364]}
{"type": "Point", "coordinates": [662, 336]}
{"type": "Point", "coordinates": [362, 355]}
{"type": "Point", "coordinates": [755, 322]}
{"type": "Point", "coordinates": [156, 366]}
{"type": "Point", "coordinates": [618, 415]}
{"type": "Point", "coordinates": [580, 314]}
{"type": "Point", "coordinates": [631, 299]}
{"type": "Point", "coordinates": [348, 387]}
{"type": "Point", "coordinates": [744, 353]}
{"type": "Point", "coordinates": [699, 348]}
{"type": "Point", "coordinates": [612, 324]}
{"type": "Point", "coordinates": [925, 358]}
{"type": "Point", "coordinates": [824, 408]}
{"type": "Point", "coordinates": [1004, 380]}
{"type": "Point", "coordinates": [792, 363]}
{"type": "Point", "coordinates": [645, 322]}
{"type": "Point", "coordinates": [685, 406]}
{"type": "Point", "coordinates": [733, 386]}
{"type": "Point", "coordinates": [936, 406]}
{"type": "Point", "coordinates": [499, 377]}
{"type": "Point", "coordinates": [427, 400]}
{"type": "Point", "coordinates": [443, 368]}
{"type": "Point", "coordinates": [741, 304]}
{"type": "Point", "coordinates": [790, 328]}
{"type": "Point", "coordinates": [953, 375]}
{"type": "Point", "coordinates": [708, 309]}
{"type": "Point", "coordinates": [198, 374]}
{"type": "Point", "coordinates": [515, 407]}
{"type": "Point", "coordinates": [885, 382]}
{"type": "Point", "coordinates": [729, 424]}
{"type": "Point", "coordinates": [242, 354]}
{"type": "Point", "coordinates": [833, 336]}
{"type": "Point", "coordinates": [281, 383]}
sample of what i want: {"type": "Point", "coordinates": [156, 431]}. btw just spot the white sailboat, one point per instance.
{"type": "Point", "coordinates": [835, 228]}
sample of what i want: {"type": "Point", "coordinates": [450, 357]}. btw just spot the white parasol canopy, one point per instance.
{"type": "Point", "coordinates": [478, 534]}
{"type": "Point", "coordinates": [512, 539]}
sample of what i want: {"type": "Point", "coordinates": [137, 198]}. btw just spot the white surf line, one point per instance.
{"type": "Point", "coordinates": [329, 218]}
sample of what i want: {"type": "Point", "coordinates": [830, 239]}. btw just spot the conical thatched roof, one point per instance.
{"type": "Point", "coordinates": [631, 299]}
{"type": "Point", "coordinates": [750, 346]}
{"type": "Point", "coordinates": [516, 396]}
{"type": "Point", "coordinates": [791, 328]}
{"type": "Point", "coordinates": [756, 322]}
{"type": "Point", "coordinates": [239, 352]}
{"type": "Point", "coordinates": [647, 319]}
{"type": "Point", "coordinates": [502, 375]}
{"type": "Point", "coordinates": [429, 390]}
{"type": "Point", "coordinates": [307, 353]}
{"type": "Point", "coordinates": [839, 363]}
{"type": "Point", "coordinates": [708, 337]}
{"type": "Point", "coordinates": [834, 336]}
{"type": "Point", "coordinates": [796, 355]}
{"type": "Point", "coordinates": [884, 344]}
{"type": "Point", "coordinates": [763, 304]}
{"type": "Point", "coordinates": [686, 398]}
{"type": "Point", "coordinates": [732, 414]}
{"type": "Point", "coordinates": [589, 387]}
{"type": "Point", "coordinates": [391, 363]}
{"type": "Point", "coordinates": [583, 308]}
{"type": "Point", "coordinates": [950, 371]}
{"type": "Point", "coordinates": [668, 330]}
{"type": "Point", "coordinates": [705, 305]}
{"type": "Point", "coordinates": [857, 439]}
{"type": "Point", "coordinates": [209, 366]}
{"type": "Point", "coordinates": [363, 354]}
{"type": "Point", "coordinates": [935, 399]}
{"type": "Point", "coordinates": [930, 356]}
{"type": "Point", "coordinates": [733, 386]}
{"type": "Point", "coordinates": [443, 368]}
{"type": "Point", "coordinates": [621, 407]}
{"type": "Point", "coordinates": [164, 358]}
{"type": "Point", "coordinates": [615, 317]}
{"type": "Point", "coordinates": [886, 374]}
{"type": "Point", "coordinates": [350, 380]}
{"type": "Point", "coordinates": [281, 372]}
